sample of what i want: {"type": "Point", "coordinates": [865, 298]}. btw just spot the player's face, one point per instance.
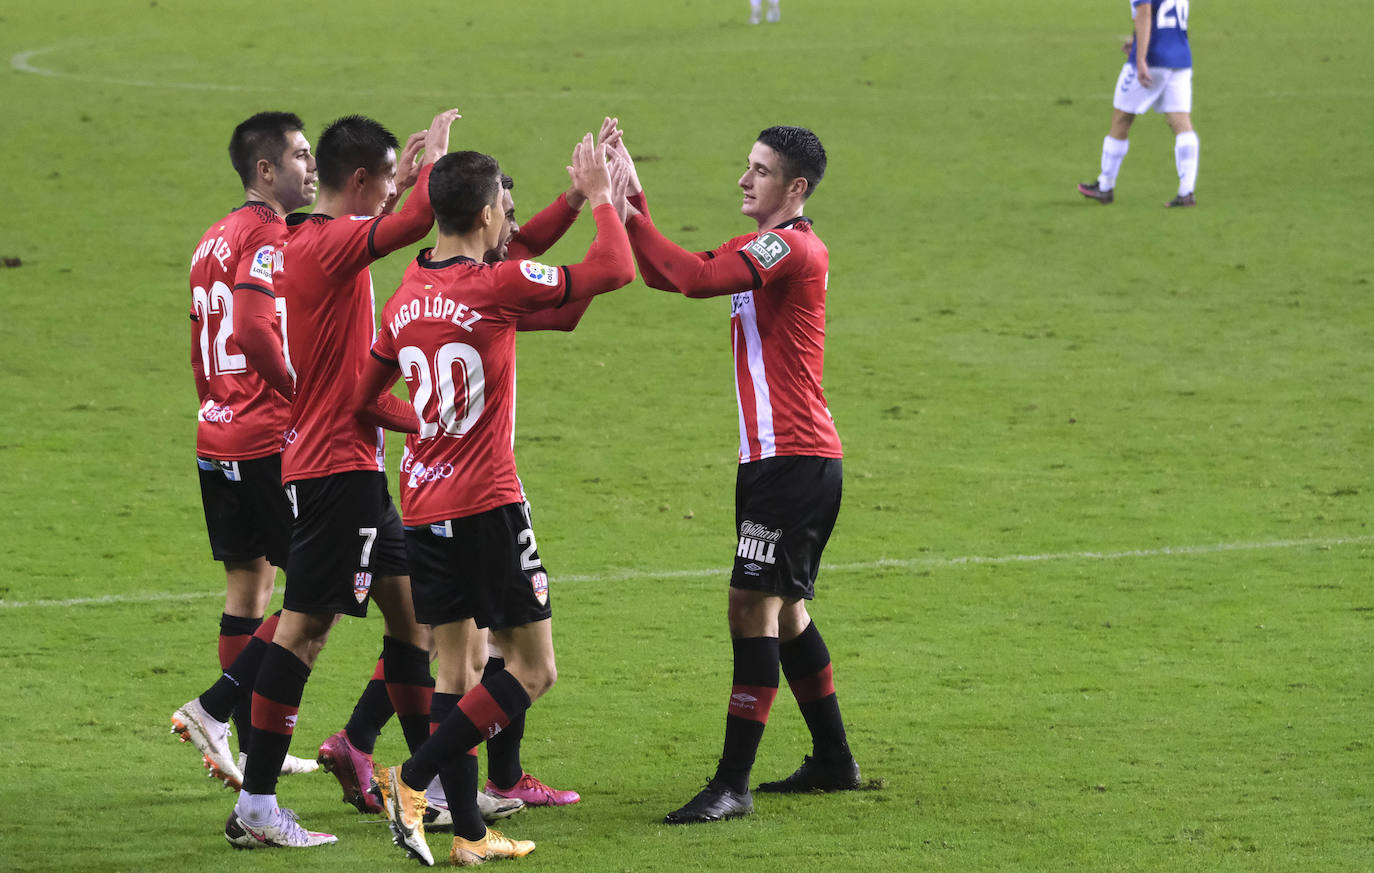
{"type": "Point", "coordinates": [380, 186]}
{"type": "Point", "coordinates": [765, 189]}
{"type": "Point", "coordinates": [509, 228]}
{"type": "Point", "coordinates": [497, 235]}
{"type": "Point", "coordinates": [294, 183]}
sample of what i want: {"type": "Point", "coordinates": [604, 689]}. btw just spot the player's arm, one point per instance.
{"type": "Point", "coordinates": [391, 232]}
{"type": "Point", "coordinates": [1144, 22]}
{"type": "Point", "coordinates": [564, 318]}
{"type": "Point", "coordinates": [407, 170]}
{"type": "Point", "coordinates": [609, 263]}
{"type": "Point", "coordinates": [197, 364]}
{"type": "Point", "coordinates": [693, 275]}
{"type": "Point", "coordinates": [373, 402]}
{"type": "Point", "coordinates": [545, 227]}
{"type": "Point", "coordinates": [255, 331]}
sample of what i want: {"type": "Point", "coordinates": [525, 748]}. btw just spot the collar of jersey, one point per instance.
{"type": "Point", "coordinates": [800, 219]}
{"type": "Point", "coordinates": [425, 263]}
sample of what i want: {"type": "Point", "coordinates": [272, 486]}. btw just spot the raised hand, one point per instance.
{"type": "Point", "coordinates": [588, 172]}
{"type": "Point", "coordinates": [436, 138]}
{"type": "Point", "coordinates": [408, 164]}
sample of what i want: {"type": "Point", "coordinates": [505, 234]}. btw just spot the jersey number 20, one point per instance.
{"type": "Point", "coordinates": [1172, 13]}
{"type": "Point", "coordinates": [456, 386]}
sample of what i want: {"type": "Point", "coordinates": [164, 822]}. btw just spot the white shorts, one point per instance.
{"type": "Point", "coordinates": [1172, 91]}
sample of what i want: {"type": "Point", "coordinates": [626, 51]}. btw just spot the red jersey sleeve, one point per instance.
{"type": "Point", "coordinates": [609, 263]}
{"type": "Point", "coordinates": [353, 242]}
{"type": "Point", "coordinates": [694, 275]}
{"type": "Point", "coordinates": [545, 228]}
{"type": "Point", "coordinates": [260, 248]}
{"type": "Point", "coordinates": [259, 338]}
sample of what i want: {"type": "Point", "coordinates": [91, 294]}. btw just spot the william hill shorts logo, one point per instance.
{"type": "Point", "coordinates": [757, 543]}
{"type": "Point", "coordinates": [540, 582]}
{"type": "Point", "coordinates": [362, 583]}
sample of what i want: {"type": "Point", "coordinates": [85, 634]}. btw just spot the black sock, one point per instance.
{"type": "Point", "coordinates": [276, 701]}
{"type": "Point", "coordinates": [751, 697]}
{"type": "Point", "coordinates": [806, 664]}
{"type": "Point", "coordinates": [482, 712]}
{"type": "Point", "coordinates": [503, 750]}
{"type": "Point", "coordinates": [371, 713]}
{"type": "Point", "coordinates": [409, 686]}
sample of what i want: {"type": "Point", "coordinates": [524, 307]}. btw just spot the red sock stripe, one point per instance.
{"type": "Point", "coordinates": [410, 699]}
{"type": "Point", "coordinates": [752, 702]}
{"type": "Point", "coordinates": [273, 717]}
{"type": "Point", "coordinates": [230, 647]}
{"type": "Point", "coordinates": [814, 687]}
{"type": "Point", "coordinates": [268, 628]}
{"type": "Point", "coordinates": [379, 673]}
{"type": "Point", "coordinates": [484, 712]}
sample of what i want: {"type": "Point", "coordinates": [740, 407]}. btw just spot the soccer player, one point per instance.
{"type": "Point", "coordinates": [1158, 74]}
{"type": "Point", "coordinates": [348, 753]}
{"type": "Point", "coordinates": [450, 330]}
{"type": "Point", "coordinates": [347, 545]}
{"type": "Point", "coordinates": [244, 388]}
{"type": "Point", "coordinates": [787, 490]}
{"type": "Point", "coordinates": [756, 11]}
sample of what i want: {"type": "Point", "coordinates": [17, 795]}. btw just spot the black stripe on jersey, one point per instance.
{"type": "Point", "coordinates": [758, 280]}
{"type": "Point", "coordinates": [371, 232]}
{"type": "Point", "coordinates": [373, 353]}
{"type": "Point", "coordinates": [800, 219]}
{"type": "Point", "coordinates": [567, 285]}
{"type": "Point", "coordinates": [252, 286]}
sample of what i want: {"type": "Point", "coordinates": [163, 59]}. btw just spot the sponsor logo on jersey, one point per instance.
{"type": "Point", "coordinates": [768, 250]}
{"type": "Point", "coordinates": [757, 543]}
{"type": "Point", "coordinates": [742, 300]}
{"type": "Point", "coordinates": [214, 413]}
{"type": "Point", "coordinates": [422, 475]}
{"type": "Point", "coordinates": [291, 721]}
{"type": "Point", "coordinates": [540, 582]}
{"type": "Point", "coordinates": [537, 272]}
{"type": "Point", "coordinates": [362, 583]}
{"type": "Point", "coordinates": [262, 264]}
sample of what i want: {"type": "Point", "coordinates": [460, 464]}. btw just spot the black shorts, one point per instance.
{"type": "Point", "coordinates": [484, 567]}
{"type": "Point", "coordinates": [246, 511]}
{"type": "Point", "coordinates": [347, 531]}
{"type": "Point", "coordinates": [785, 509]}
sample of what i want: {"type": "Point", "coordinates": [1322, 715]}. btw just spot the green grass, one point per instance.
{"type": "Point", "coordinates": [1018, 376]}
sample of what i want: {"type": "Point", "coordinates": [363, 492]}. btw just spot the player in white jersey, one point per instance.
{"type": "Point", "coordinates": [1158, 75]}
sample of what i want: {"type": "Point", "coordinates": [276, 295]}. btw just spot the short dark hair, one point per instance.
{"type": "Point", "coordinates": [460, 184]}
{"type": "Point", "coordinates": [262, 137]}
{"type": "Point", "coordinates": [801, 152]}
{"type": "Point", "coordinates": [507, 182]}
{"type": "Point", "coordinates": [349, 143]}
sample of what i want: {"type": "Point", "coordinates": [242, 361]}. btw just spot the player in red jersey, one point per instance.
{"type": "Point", "coordinates": [450, 330]}
{"type": "Point", "coordinates": [787, 490]}
{"type": "Point", "coordinates": [347, 544]}
{"type": "Point", "coordinates": [348, 753]}
{"type": "Point", "coordinates": [244, 388]}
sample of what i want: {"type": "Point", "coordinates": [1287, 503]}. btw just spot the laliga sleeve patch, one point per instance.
{"type": "Point", "coordinates": [540, 273]}
{"type": "Point", "coordinates": [768, 250]}
{"type": "Point", "coordinates": [262, 265]}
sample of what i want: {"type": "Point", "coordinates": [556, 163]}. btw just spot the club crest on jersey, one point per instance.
{"type": "Point", "coordinates": [768, 250]}
{"type": "Point", "coordinates": [362, 583]}
{"type": "Point", "coordinates": [757, 543]}
{"type": "Point", "coordinates": [263, 260]}
{"type": "Point", "coordinates": [540, 582]}
{"type": "Point", "coordinates": [537, 272]}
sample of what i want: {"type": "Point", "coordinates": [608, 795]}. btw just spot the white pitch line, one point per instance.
{"type": "Point", "coordinates": [880, 564]}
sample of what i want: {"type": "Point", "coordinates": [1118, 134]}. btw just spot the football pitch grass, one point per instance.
{"type": "Point", "coordinates": [1099, 595]}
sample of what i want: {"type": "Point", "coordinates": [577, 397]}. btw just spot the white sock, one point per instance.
{"type": "Point", "coordinates": [1113, 153]}
{"type": "Point", "coordinates": [256, 809]}
{"type": "Point", "coordinates": [755, 6]}
{"type": "Point", "coordinates": [1185, 157]}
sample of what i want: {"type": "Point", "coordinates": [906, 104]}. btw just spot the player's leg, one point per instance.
{"type": "Point", "coordinates": [204, 720]}
{"type": "Point", "coordinates": [1177, 105]}
{"type": "Point", "coordinates": [806, 665]}
{"type": "Point", "coordinates": [1130, 99]}
{"type": "Point", "coordinates": [774, 10]}
{"type": "Point", "coordinates": [405, 655]}
{"type": "Point", "coordinates": [755, 11]}
{"type": "Point", "coordinates": [257, 819]}
{"type": "Point", "coordinates": [348, 753]}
